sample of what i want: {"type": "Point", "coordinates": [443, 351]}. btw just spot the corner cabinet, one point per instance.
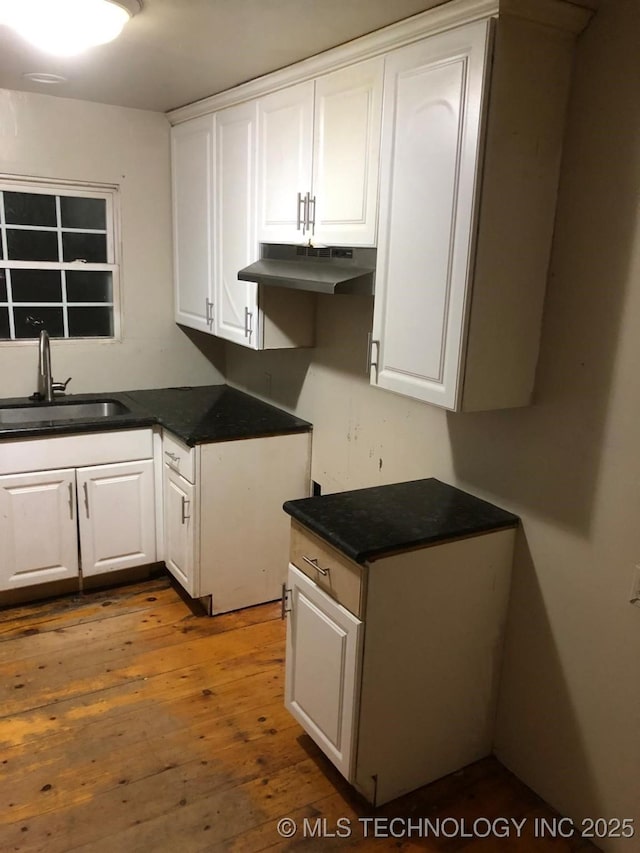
{"type": "Point", "coordinates": [434, 103]}
{"type": "Point", "coordinates": [392, 666]}
{"type": "Point", "coordinates": [225, 536]}
{"type": "Point", "coordinates": [214, 226]}
{"type": "Point", "coordinates": [471, 147]}
{"type": "Point", "coordinates": [90, 518]}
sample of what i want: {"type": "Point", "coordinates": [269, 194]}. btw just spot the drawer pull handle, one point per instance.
{"type": "Point", "coordinates": [314, 565]}
{"type": "Point", "coordinates": [172, 456]}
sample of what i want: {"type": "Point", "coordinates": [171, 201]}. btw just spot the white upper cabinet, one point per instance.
{"type": "Point", "coordinates": [192, 168]}
{"type": "Point", "coordinates": [346, 149]}
{"type": "Point", "coordinates": [470, 161]}
{"type": "Point", "coordinates": [236, 302]}
{"type": "Point", "coordinates": [429, 173]}
{"type": "Point", "coordinates": [318, 159]}
{"type": "Point", "coordinates": [285, 121]}
{"type": "Point", "coordinates": [437, 139]}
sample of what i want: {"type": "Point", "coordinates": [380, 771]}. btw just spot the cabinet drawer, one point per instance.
{"type": "Point", "coordinates": [343, 579]}
{"type": "Point", "coordinates": [179, 457]}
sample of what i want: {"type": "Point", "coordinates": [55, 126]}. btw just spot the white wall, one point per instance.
{"type": "Point", "coordinates": [52, 137]}
{"type": "Point", "coordinates": [569, 718]}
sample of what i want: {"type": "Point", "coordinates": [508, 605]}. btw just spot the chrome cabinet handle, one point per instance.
{"type": "Point", "coordinates": [314, 565]}
{"type": "Point", "coordinates": [283, 602]}
{"type": "Point", "coordinates": [86, 497]}
{"type": "Point", "coordinates": [209, 312]}
{"type": "Point", "coordinates": [172, 456]}
{"type": "Point", "coordinates": [371, 342]}
{"type": "Point", "coordinates": [248, 324]}
{"type": "Point", "coordinates": [71, 501]}
{"type": "Point", "coordinates": [301, 219]}
{"type": "Point", "coordinates": [185, 504]}
{"type": "Point", "coordinates": [311, 223]}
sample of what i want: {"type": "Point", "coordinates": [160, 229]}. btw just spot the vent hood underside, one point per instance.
{"type": "Point", "coordinates": [334, 271]}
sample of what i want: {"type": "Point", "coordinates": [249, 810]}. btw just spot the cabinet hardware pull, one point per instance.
{"type": "Point", "coordinates": [370, 362]}
{"type": "Point", "coordinates": [301, 219]}
{"type": "Point", "coordinates": [71, 499]}
{"type": "Point", "coordinates": [185, 504]}
{"type": "Point", "coordinates": [248, 324]}
{"type": "Point", "coordinates": [172, 456]}
{"type": "Point", "coordinates": [314, 565]}
{"type": "Point", "coordinates": [283, 602]}
{"type": "Point", "coordinates": [86, 497]}
{"type": "Point", "coordinates": [311, 223]}
{"type": "Point", "coordinates": [209, 315]}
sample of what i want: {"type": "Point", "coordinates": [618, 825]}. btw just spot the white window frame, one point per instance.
{"type": "Point", "coordinates": [110, 194]}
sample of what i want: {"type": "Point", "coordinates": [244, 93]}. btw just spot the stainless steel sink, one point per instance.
{"type": "Point", "coordinates": [44, 414]}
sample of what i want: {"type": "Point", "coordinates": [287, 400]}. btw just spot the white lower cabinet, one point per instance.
{"type": "Point", "coordinates": [116, 516]}
{"type": "Point", "coordinates": [225, 536]}
{"type": "Point", "coordinates": [392, 666]}
{"type": "Point", "coordinates": [38, 528]}
{"type": "Point", "coordinates": [78, 516]}
{"type": "Point", "coordinates": [179, 527]}
{"type": "Point", "coordinates": [324, 647]}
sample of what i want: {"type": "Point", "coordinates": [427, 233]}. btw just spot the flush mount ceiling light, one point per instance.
{"type": "Point", "coordinates": [67, 27]}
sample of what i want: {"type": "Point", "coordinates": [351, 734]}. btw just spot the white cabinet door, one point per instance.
{"type": "Point", "coordinates": [285, 139]}
{"type": "Point", "coordinates": [323, 655]}
{"type": "Point", "coordinates": [179, 527]}
{"type": "Point", "coordinates": [116, 516]}
{"type": "Point", "coordinates": [433, 105]}
{"type": "Point", "coordinates": [192, 168]}
{"type": "Point", "coordinates": [236, 246]}
{"type": "Point", "coordinates": [346, 151]}
{"type": "Point", "coordinates": [38, 532]}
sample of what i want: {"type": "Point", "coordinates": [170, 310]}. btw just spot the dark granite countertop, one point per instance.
{"type": "Point", "coordinates": [367, 524]}
{"type": "Point", "coordinates": [196, 415]}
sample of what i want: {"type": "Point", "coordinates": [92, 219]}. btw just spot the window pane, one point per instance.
{"type": "Point", "coordinates": [86, 286]}
{"type": "Point", "coordinates": [83, 213]}
{"type": "Point", "coordinates": [30, 321]}
{"type": "Point", "coordinates": [32, 245]}
{"type": "Point", "coordinates": [4, 323]}
{"type": "Point", "coordinates": [36, 286]}
{"type": "Point", "coordinates": [90, 322]}
{"type": "Point", "coordinates": [30, 209]}
{"type": "Point", "coordinates": [87, 247]}
{"type": "Point", "coordinates": [3, 286]}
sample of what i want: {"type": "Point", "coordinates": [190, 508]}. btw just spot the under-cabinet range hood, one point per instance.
{"type": "Point", "coordinates": [321, 270]}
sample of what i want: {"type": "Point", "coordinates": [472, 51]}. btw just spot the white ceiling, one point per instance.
{"type": "Point", "coordinates": [178, 51]}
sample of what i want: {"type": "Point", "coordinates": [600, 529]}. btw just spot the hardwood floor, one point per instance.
{"type": "Point", "coordinates": [128, 722]}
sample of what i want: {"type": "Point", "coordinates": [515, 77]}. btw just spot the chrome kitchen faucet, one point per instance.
{"type": "Point", "coordinates": [47, 388]}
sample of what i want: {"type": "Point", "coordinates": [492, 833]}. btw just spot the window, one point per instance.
{"type": "Point", "coordinates": [58, 265]}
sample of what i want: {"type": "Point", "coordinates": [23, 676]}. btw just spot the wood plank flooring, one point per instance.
{"type": "Point", "coordinates": [130, 722]}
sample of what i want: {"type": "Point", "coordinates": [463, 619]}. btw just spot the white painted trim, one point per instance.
{"type": "Point", "coordinates": [559, 13]}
